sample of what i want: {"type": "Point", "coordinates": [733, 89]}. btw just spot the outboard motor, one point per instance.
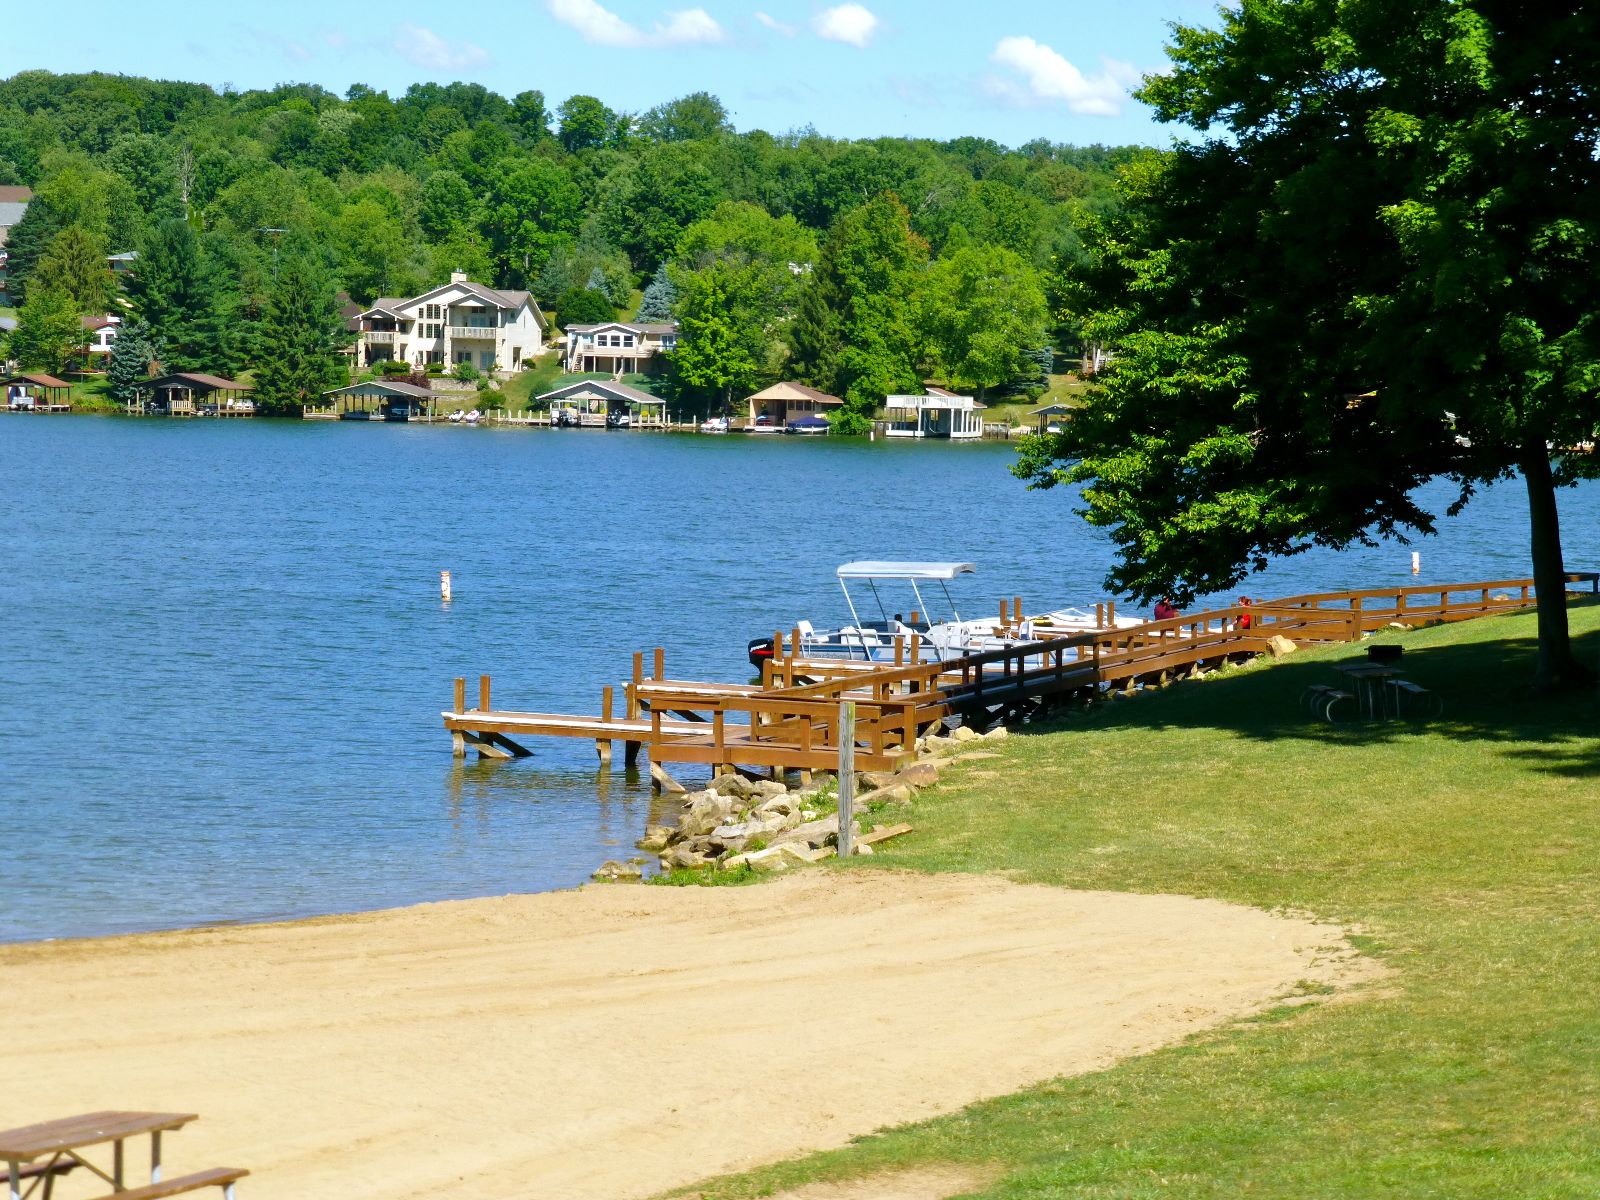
{"type": "Point", "coordinates": [760, 652]}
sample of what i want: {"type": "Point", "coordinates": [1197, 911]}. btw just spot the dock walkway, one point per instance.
{"type": "Point", "coordinates": [789, 720]}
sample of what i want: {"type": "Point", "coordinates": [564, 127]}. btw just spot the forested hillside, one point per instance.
{"type": "Point", "coordinates": [862, 267]}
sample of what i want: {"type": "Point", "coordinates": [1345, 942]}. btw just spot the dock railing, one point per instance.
{"type": "Point", "coordinates": [790, 719]}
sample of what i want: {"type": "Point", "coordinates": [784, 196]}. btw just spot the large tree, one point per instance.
{"type": "Point", "coordinates": [297, 346]}
{"type": "Point", "coordinates": [1372, 266]}
{"type": "Point", "coordinates": [720, 344]}
{"type": "Point", "coordinates": [982, 317]}
{"type": "Point", "coordinates": [181, 294]}
{"type": "Point", "coordinates": [49, 336]}
{"type": "Point", "coordinates": [75, 263]}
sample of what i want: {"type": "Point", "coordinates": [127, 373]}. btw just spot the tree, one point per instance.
{"type": "Point", "coordinates": [530, 117]}
{"type": "Point", "coordinates": [75, 263]}
{"type": "Point", "coordinates": [585, 123]}
{"type": "Point", "coordinates": [49, 335]}
{"type": "Point", "coordinates": [296, 352]}
{"type": "Point", "coordinates": [132, 351]}
{"type": "Point", "coordinates": [180, 293]}
{"type": "Point", "coordinates": [719, 348]}
{"type": "Point", "coordinates": [982, 316]}
{"type": "Point", "coordinates": [689, 118]}
{"type": "Point", "coordinates": [659, 298]}
{"type": "Point", "coordinates": [584, 306]}
{"type": "Point", "coordinates": [1372, 268]}
{"type": "Point", "coordinates": [857, 333]}
{"type": "Point", "coordinates": [29, 238]}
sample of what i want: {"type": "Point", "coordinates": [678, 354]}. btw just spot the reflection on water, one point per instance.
{"type": "Point", "coordinates": [225, 652]}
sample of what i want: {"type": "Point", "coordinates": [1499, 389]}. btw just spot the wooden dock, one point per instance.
{"type": "Point", "coordinates": [790, 719]}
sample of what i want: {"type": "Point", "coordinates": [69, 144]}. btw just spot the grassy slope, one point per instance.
{"type": "Point", "coordinates": [1469, 851]}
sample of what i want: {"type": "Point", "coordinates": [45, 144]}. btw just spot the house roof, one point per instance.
{"type": "Point", "coordinates": [391, 305]}
{"type": "Point", "coordinates": [631, 326]}
{"type": "Point", "coordinates": [94, 324]}
{"type": "Point", "coordinates": [11, 193]}
{"type": "Point", "coordinates": [936, 398]}
{"type": "Point", "coordinates": [795, 391]}
{"type": "Point", "coordinates": [37, 378]}
{"type": "Point", "coordinates": [374, 387]}
{"type": "Point", "coordinates": [124, 256]}
{"type": "Point", "coordinates": [1051, 410]}
{"type": "Point", "coordinates": [197, 380]}
{"type": "Point", "coordinates": [603, 387]}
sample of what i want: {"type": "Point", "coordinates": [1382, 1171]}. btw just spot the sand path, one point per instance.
{"type": "Point", "coordinates": [619, 1040]}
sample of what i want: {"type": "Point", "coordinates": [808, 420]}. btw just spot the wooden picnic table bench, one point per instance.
{"type": "Point", "coordinates": [61, 1142]}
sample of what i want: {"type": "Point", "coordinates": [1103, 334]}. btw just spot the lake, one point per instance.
{"type": "Point", "coordinates": [224, 653]}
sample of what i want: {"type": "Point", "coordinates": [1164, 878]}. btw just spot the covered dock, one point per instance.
{"type": "Point", "coordinates": [1048, 417]}
{"type": "Point", "coordinates": [771, 409]}
{"type": "Point", "coordinates": [36, 392]}
{"type": "Point", "coordinates": [374, 400]}
{"type": "Point", "coordinates": [938, 414]}
{"type": "Point", "coordinates": [194, 394]}
{"type": "Point", "coordinates": [603, 404]}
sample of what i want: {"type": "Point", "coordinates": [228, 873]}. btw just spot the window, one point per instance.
{"type": "Point", "coordinates": [628, 340]}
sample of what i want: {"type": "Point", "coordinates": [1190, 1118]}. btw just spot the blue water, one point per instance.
{"type": "Point", "coordinates": [224, 654]}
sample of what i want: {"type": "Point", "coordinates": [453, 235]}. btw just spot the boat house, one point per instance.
{"type": "Point", "coordinates": [604, 403]}
{"type": "Point", "coordinates": [36, 392]}
{"type": "Point", "coordinates": [939, 414]}
{"type": "Point", "coordinates": [1050, 416]}
{"type": "Point", "coordinates": [374, 400]}
{"type": "Point", "coordinates": [771, 409]}
{"type": "Point", "coordinates": [194, 394]}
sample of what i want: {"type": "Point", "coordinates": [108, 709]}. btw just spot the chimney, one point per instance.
{"type": "Point", "coordinates": [458, 277]}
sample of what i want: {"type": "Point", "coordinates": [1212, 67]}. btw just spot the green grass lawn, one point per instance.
{"type": "Point", "coordinates": [1466, 851]}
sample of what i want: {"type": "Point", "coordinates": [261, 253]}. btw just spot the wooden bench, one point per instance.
{"type": "Point", "coordinates": [222, 1177]}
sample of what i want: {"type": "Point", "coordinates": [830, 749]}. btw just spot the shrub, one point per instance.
{"type": "Point", "coordinates": [391, 368]}
{"type": "Point", "coordinates": [466, 372]}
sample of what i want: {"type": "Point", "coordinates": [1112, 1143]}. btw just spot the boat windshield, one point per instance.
{"type": "Point", "coordinates": [873, 573]}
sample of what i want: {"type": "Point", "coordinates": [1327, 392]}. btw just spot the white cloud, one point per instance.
{"type": "Point", "coordinates": [598, 24]}
{"type": "Point", "coordinates": [1047, 78]}
{"type": "Point", "coordinates": [776, 25]}
{"type": "Point", "coordinates": [846, 23]}
{"type": "Point", "coordinates": [425, 48]}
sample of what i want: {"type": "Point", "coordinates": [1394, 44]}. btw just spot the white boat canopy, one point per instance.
{"type": "Point", "coordinates": [905, 570]}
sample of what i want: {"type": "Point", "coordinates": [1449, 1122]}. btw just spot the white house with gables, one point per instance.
{"type": "Point", "coordinates": [621, 347]}
{"type": "Point", "coordinates": [458, 322]}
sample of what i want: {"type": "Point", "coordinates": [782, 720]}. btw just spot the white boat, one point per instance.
{"type": "Point", "coordinates": [456, 417]}
{"type": "Point", "coordinates": [473, 417]}
{"type": "Point", "coordinates": [714, 425]}
{"type": "Point", "coordinates": [947, 637]}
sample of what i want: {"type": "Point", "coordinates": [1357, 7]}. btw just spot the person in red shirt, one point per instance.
{"type": "Point", "coordinates": [1244, 617]}
{"type": "Point", "coordinates": [1165, 609]}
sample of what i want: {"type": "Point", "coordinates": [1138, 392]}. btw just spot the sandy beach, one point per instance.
{"type": "Point", "coordinates": [616, 1041]}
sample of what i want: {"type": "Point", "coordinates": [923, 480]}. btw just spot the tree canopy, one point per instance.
{"type": "Point", "coordinates": [1370, 268]}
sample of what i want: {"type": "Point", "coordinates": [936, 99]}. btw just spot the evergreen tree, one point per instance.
{"type": "Point", "coordinates": [132, 352]}
{"type": "Point", "coordinates": [297, 342]}
{"type": "Point", "coordinates": [75, 263]}
{"type": "Point", "coordinates": [659, 297]}
{"type": "Point", "coordinates": [49, 335]}
{"type": "Point", "coordinates": [179, 292]}
{"type": "Point", "coordinates": [25, 245]}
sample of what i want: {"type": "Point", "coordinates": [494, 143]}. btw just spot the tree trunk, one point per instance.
{"type": "Point", "coordinates": [1557, 667]}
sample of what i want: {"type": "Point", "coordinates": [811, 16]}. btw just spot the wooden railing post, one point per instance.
{"type": "Point", "coordinates": [661, 663]}
{"type": "Point", "coordinates": [847, 778]}
{"type": "Point", "coordinates": [483, 694]}
{"type": "Point", "coordinates": [461, 695]}
{"type": "Point", "coordinates": [633, 687]}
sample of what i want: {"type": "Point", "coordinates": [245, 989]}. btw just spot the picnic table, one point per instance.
{"type": "Point", "coordinates": [60, 1145]}
{"type": "Point", "coordinates": [1367, 680]}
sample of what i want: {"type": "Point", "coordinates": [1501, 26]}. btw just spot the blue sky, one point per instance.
{"type": "Point", "coordinates": [1058, 69]}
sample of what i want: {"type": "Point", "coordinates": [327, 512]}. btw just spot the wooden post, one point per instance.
{"type": "Point", "coordinates": [602, 745]}
{"type": "Point", "coordinates": [633, 692]}
{"type": "Point", "coordinates": [483, 694]}
{"type": "Point", "coordinates": [661, 659]}
{"type": "Point", "coordinates": [1005, 612]}
{"type": "Point", "coordinates": [461, 695]}
{"type": "Point", "coordinates": [1016, 611]}
{"type": "Point", "coordinates": [899, 649]}
{"type": "Point", "coordinates": [847, 778]}
{"type": "Point", "coordinates": [916, 649]}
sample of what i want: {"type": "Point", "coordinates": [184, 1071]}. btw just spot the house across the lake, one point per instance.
{"type": "Point", "coordinates": [620, 347]}
{"type": "Point", "coordinates": [102, 333]}
{"type": "Point", "coordinates": [458, 322]}
{"type": "Point", "coordinates": [938, 414]}
{"type": "Point", "coordinates": [772, 409]}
